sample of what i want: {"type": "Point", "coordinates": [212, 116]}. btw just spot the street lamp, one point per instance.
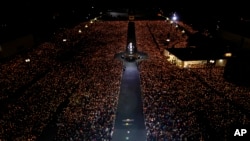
{"type": "Point", "coordinates": [174, 18]}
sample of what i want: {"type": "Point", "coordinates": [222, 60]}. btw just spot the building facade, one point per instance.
{"type": "Point", "coordinates": [196, 58]}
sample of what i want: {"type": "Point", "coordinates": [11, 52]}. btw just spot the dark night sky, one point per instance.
{"type": "Point", "coordinates": [12, 8]}
{"type": "Point", "coordinates": [15, 11]}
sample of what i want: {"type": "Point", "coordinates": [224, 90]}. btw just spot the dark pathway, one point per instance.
{"type": "Point", "coordinates": [129, 122]}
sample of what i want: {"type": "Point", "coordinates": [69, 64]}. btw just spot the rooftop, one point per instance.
{"type": "Point", "coordinates": [188, 54]}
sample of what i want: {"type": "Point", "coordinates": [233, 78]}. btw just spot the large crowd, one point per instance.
{"type": "Point", "coordinates": [91, 77]}
{"type": "Point", "coordinates": [214, 77]}
{"type": "Point", "coordinates": [176, 102]}
{"type": "Point", "coordinates": [91, 111]}
{"type": "Point", "coordinates": [185, 103]}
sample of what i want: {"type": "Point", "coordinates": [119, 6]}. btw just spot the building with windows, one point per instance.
{"type": "Point", "coordinates": [197, 57]}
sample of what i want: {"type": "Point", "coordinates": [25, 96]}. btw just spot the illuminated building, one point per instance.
{"type": "Point", "coordinates": [196, 57]}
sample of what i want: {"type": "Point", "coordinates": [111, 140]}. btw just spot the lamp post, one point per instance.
{"type": "Point", "coordinates": [174, 18]}
{"type": "Point", "coordinates": [174, 23]}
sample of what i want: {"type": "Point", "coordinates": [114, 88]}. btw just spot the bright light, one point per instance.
{"type": "Point", "coordinates": [183, 31]}
{"type": "Point", "coordinates": [95, 19]}
{"type": "Point", "coordinates": [168, 40]}
{"type": "Point", "coordinates": [174, 17]}
{"type": "Point", "coordinates": [27, 60]}
{"type": "Point", "coordinates": [86, 26]}
{"type": "Point", "coordinates": [91, 21]}
{"type": "Point", "coordinates": [64, 40]}
{"type": "Point", "coordinates": [127, 124]}
{"type": "Point", "coordinates": [221, 60]}
{"type": "Point", "coordinates": [130, 46]}
{"type": "Point", "coordinates": [185, 64]}
{"type": "Point", "coordinates": [229, 54]}
{"type": "Point", "coordinates": [176, 25]}
{"type": "Point", "coordinates": [128, 120]}
{"type": "Point", "coordinates": [211, 61]}
{"type": "Point", "coordinates": [79, 31]}
{"type": "Point", "coordinates": [167, 18]}
{"type": "Point", "coordinates": [171, 21]}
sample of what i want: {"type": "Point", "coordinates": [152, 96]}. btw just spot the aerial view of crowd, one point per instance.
{"type": "Point", "coordinates": [77, 67]}
{"type": "Point", "coordinates": [186, 103]}
{"type": "Point", "coordinates": [37, 83]}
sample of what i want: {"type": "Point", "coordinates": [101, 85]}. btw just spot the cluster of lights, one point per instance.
{"type": "Point", "coordinates": [127, 123]}
{"type": "Point", "coordinates": [27, 60]}
{"type": "Point", "coordinates": [91, 21]}
{"type": "Point", "coordinates": [211, 61]}
{"type": "Point", "coordinates": [127, 138]}
{"type": "Point", "coordinates": [172, 21]}
{"type": "Point", "coordinates": [86, 26]}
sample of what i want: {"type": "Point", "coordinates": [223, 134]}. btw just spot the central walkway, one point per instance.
{"type": "Point", "coordinates": [129, 122]}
